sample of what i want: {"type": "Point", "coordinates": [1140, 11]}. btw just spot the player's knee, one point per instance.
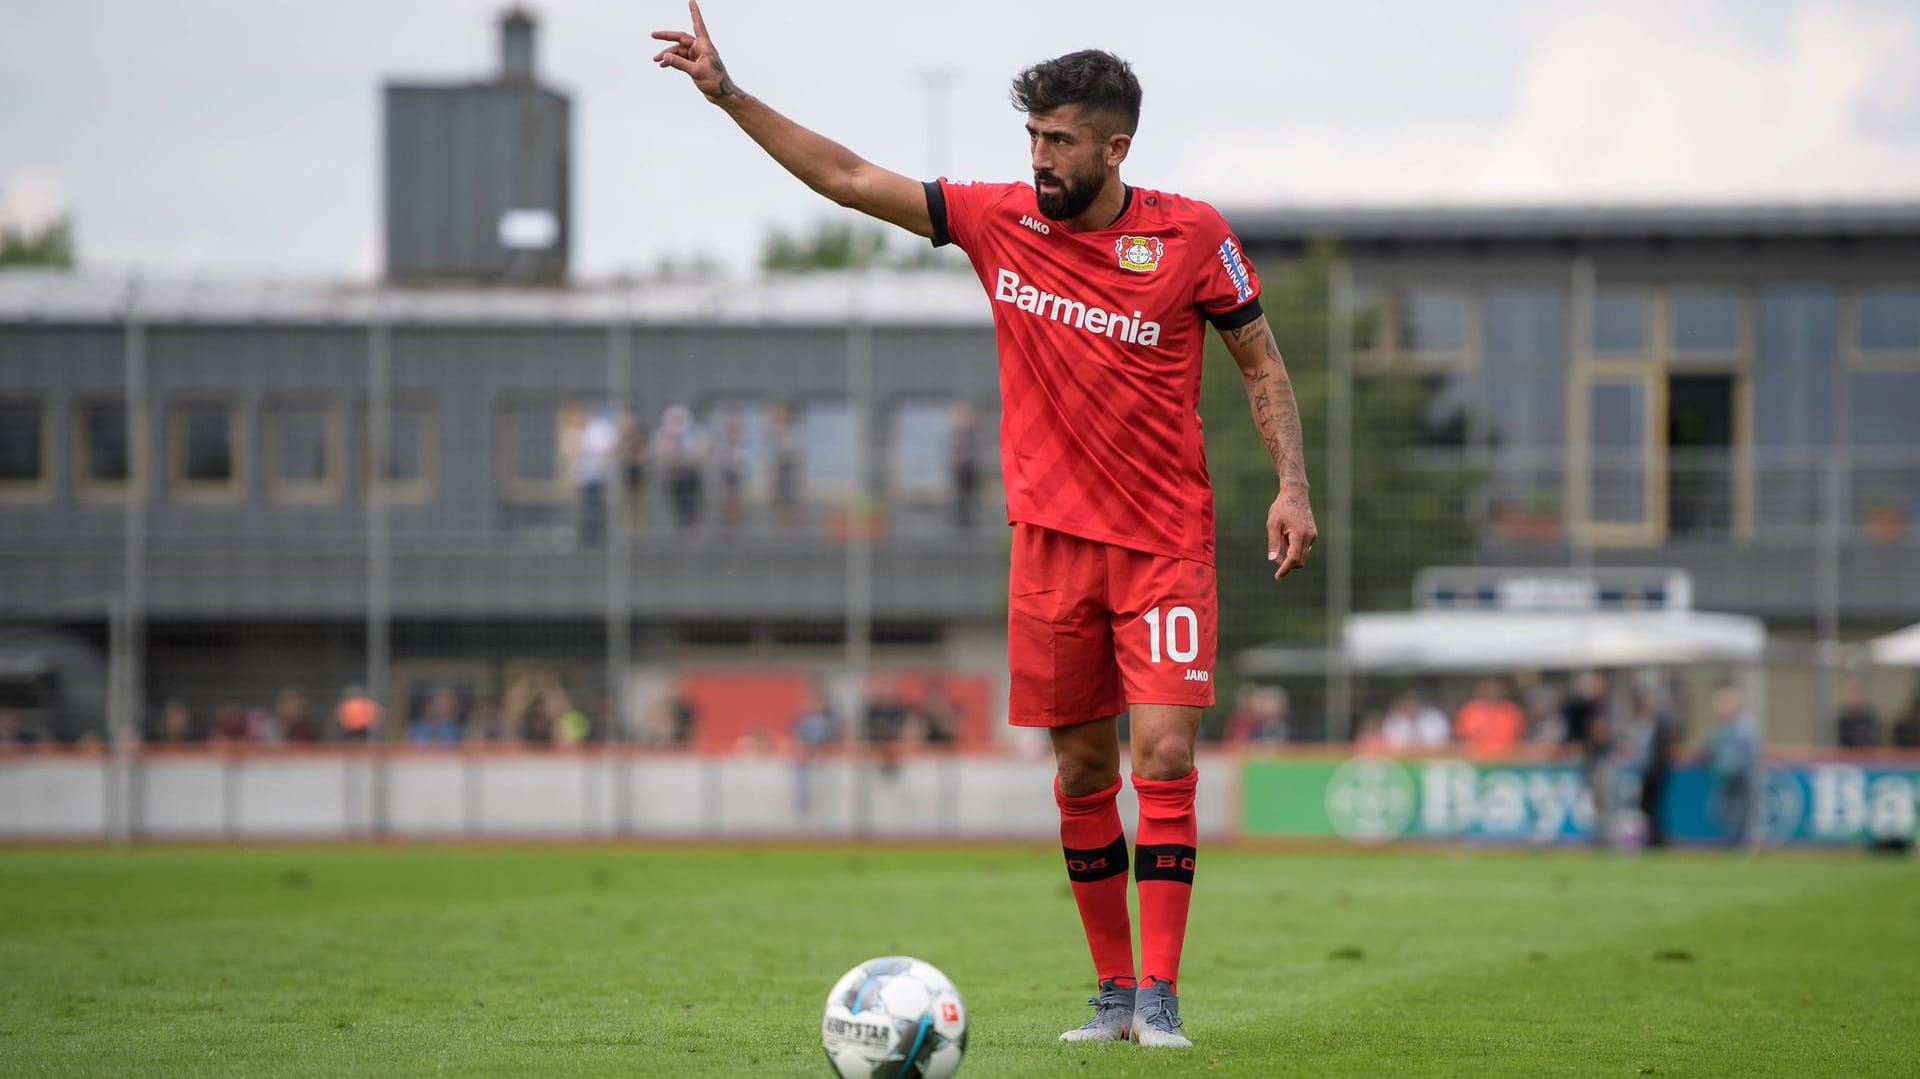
{"type": "Point", "coordinates": [1084, 771]}
{"type": "Point", "coordinates": [1163, 758]}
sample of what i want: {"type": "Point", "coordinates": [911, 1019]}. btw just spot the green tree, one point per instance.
{"type": "Point", "coordinates": [1404, 517]}
{"type": "Point", "coordinates": [50, 245]}
{"type": "Point", "coordinates": [837, 244]}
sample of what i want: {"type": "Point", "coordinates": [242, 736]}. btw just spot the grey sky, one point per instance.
{"type": "Point", "coordinates": [242, 134]}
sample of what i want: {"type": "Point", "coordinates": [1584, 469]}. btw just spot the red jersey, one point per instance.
{"type": "Point", "coordinates": [1100, 336]}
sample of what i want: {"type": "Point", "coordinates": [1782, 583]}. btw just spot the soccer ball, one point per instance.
{"type": "Point", "coordinates": [894, 1017]}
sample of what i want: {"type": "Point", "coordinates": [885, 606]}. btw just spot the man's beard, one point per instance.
{"type": "Point", "coordinates": [1075, 194]}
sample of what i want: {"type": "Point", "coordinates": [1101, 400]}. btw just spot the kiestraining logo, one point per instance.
{"type": "Point", "coordinates": [1370, 800]}
{"type": "Point", "coordinates": [1236, 269]}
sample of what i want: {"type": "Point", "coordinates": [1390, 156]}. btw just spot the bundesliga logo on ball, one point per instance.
{"type": "Point", "coordinates": [894, 1016]}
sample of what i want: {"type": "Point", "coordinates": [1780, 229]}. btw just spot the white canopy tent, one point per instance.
{"type": "Point", "coordinates": [1900, 648]}
{"type": "Point", "coordinates": [1479, 640]}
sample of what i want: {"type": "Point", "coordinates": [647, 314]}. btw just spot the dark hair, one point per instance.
{"type": "Point", "coordinates": [1099, 82]}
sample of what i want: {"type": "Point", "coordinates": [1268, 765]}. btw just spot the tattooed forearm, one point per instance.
{"type": "Point", "coordinates": [728, 88]}
{"type": "Point", "coordinates": [1275, 413]}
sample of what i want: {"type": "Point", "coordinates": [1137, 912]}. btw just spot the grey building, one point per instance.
{"type": "Point", "coordinates": [478, 181]}
{"type": "Point", "coordinates": [1730, 390]}
{"type": "Point", "coordinates": [520, 502]}
{"type": "Point", "coordinates": [317, 485]}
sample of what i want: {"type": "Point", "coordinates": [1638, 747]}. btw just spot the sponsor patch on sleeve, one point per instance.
{"type": "Point", "coordinates": [1236, 269]}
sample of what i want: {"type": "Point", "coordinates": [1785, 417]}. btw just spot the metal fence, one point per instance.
{"type": "Point", "coordinates": [596, 517]}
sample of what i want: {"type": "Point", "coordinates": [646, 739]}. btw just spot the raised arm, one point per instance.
{"type": "Point", "coordinates": [1290, 527]}
{"type": "Point", "coordinates": [819, 162]}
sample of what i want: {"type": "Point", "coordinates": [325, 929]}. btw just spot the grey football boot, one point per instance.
{"type": "Point", "coordinates": [1156, 1017]}
{"type": "Point", "coordinates": [1112, 1015]}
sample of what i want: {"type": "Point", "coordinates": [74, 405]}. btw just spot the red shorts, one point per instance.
{"type": "Point", "coordinates": [1093, 628]}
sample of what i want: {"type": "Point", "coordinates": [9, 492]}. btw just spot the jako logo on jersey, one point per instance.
{"type": "Point", "coordinates": [1236, 269]}
{"type": "Point", "coordinates": [1198, 675]}
{"type": "Point", "coordinates": [1134, 331]}
{"type": "Point", "coordinates": [1037, 226]}
{"type": "Point", "coordinates": [1141, 254]}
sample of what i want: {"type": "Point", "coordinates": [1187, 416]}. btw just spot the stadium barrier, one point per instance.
{"type": "Point", "coordinates": [1860, 798]}
{"type": "Point", "coordinates": [249, 793]}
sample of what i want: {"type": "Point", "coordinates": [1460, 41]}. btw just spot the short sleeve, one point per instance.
{"type": "Point", "coordinates": [955, 208]}
{"type": "Point", "coordinates": [1228, 292]}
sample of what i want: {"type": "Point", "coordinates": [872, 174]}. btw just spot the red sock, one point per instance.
{"type": "Point", "coordinates": [1096, 851]}
{"type": "Point", "coordinates": [1163, 869]}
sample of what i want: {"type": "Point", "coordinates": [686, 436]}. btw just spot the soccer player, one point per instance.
{"type": "Point", "coordinates": [1100, 294]}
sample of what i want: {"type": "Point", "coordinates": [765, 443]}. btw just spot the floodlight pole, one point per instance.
{"type": "Point", "coordinates": [379, 549]}
{"type": "Point", "coordinates": [937, 81]}
{"type": "Point", "coordinates": [619, 575]}
{"type": "Point", "coordinates": [129, 612]}
{"type": "Point", "coordinates": [1339, 473]}
{"type": "Point", "coordinates": [860, 552]}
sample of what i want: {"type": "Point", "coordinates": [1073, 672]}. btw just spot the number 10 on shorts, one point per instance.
{"type": "Point", "coordinates": [1175, 651]}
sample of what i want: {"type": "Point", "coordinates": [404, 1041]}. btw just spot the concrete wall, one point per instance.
{"type": "Point", "coordinates": [350, 795]}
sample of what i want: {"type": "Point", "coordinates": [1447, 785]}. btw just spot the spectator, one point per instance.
{"type": "Point", "coordinates": [294, 719]}
{"type": "Point", "coordinates": [176, 723]}
{"type": "Point", "coordinates": [1414, 726]}
{"type": "Point", "coordinates": [1370, 739]}
{"type": "Point", "coordinates": [784, 441]}
{"type": "Point", "coordinates": [963, 461]}
{"type": "Point", "coordinates": [571, 727]}
{"type": "Point", "coordinates": [1906, 732]}
{"type": "Point", "coordinates": [886, 721]}
{"type": "Point", "coordinates": [685, 719]}
{"type": "Point", "coordinates": [939, 715]}
{"type": "Point", "coordinates": [440, 722]}
{"type": "Point", "coordinates": [633, 469]}
{"type": "Point", "coordinates": [229, 724]}
{"type": "Point", "coordinates": [1259, 716]}
{"type": "Point", "coordinates": [735, 467]}
{"type": "Point", "coordinates": [594, 440]}
{"type": "Point", "coordinates": [815, 728]}
{"type": "Point", "coordinates": [357, 715]}
{"type": "Point", "coordinates": [1857, 726]}
{"type": "Point", "coordinates": [1733, 758]}
{"type": "Point", "coordinates": [1489, 725]}
{"type": "Point", "coordinates": [681, 446]}
{"type": "Point", "coordinates": [1658, 735]}
{"type": "Point", "coordinates": [14, 732]}
{"type": "Point", "coordinates": [1588, 733]}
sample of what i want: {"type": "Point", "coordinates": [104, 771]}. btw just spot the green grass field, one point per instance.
{"type": "Point", "coordinates": [671, 961]}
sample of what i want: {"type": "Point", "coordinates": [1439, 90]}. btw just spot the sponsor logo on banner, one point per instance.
{"type": "Point", "coordinates": [1141, 254]}
{"type": "Point", "coordinates": [1377, 799]}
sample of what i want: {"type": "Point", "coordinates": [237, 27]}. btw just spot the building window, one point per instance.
{"type": "Point", "coordinates": [1617, 478]}
{"type": "Point", "coordinates": [920, 449]}
{"type": "Point", "coordinates": [1706, 321]}
{"type": "Point", "coordinates": [1890, 321]}
{"type": "Point", "coordinates": [531, 454]}
{"type": "Point", "coordinates": [205, 451]}
{"type": "Point", "coordinates": [826, 449]}
{"type": "Point", "coordinates": [1620, 322]}
{"type": "Point", "coordinates": [25, 453]}
{"type": "Point", "coordinates": [303, 453]}
{"type": "Point", "coordinates": [412, 452]}
{"type": "Point", "coordinates": [105, 463]}
{"type": "Point", "coordinates": [1434, 324]}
